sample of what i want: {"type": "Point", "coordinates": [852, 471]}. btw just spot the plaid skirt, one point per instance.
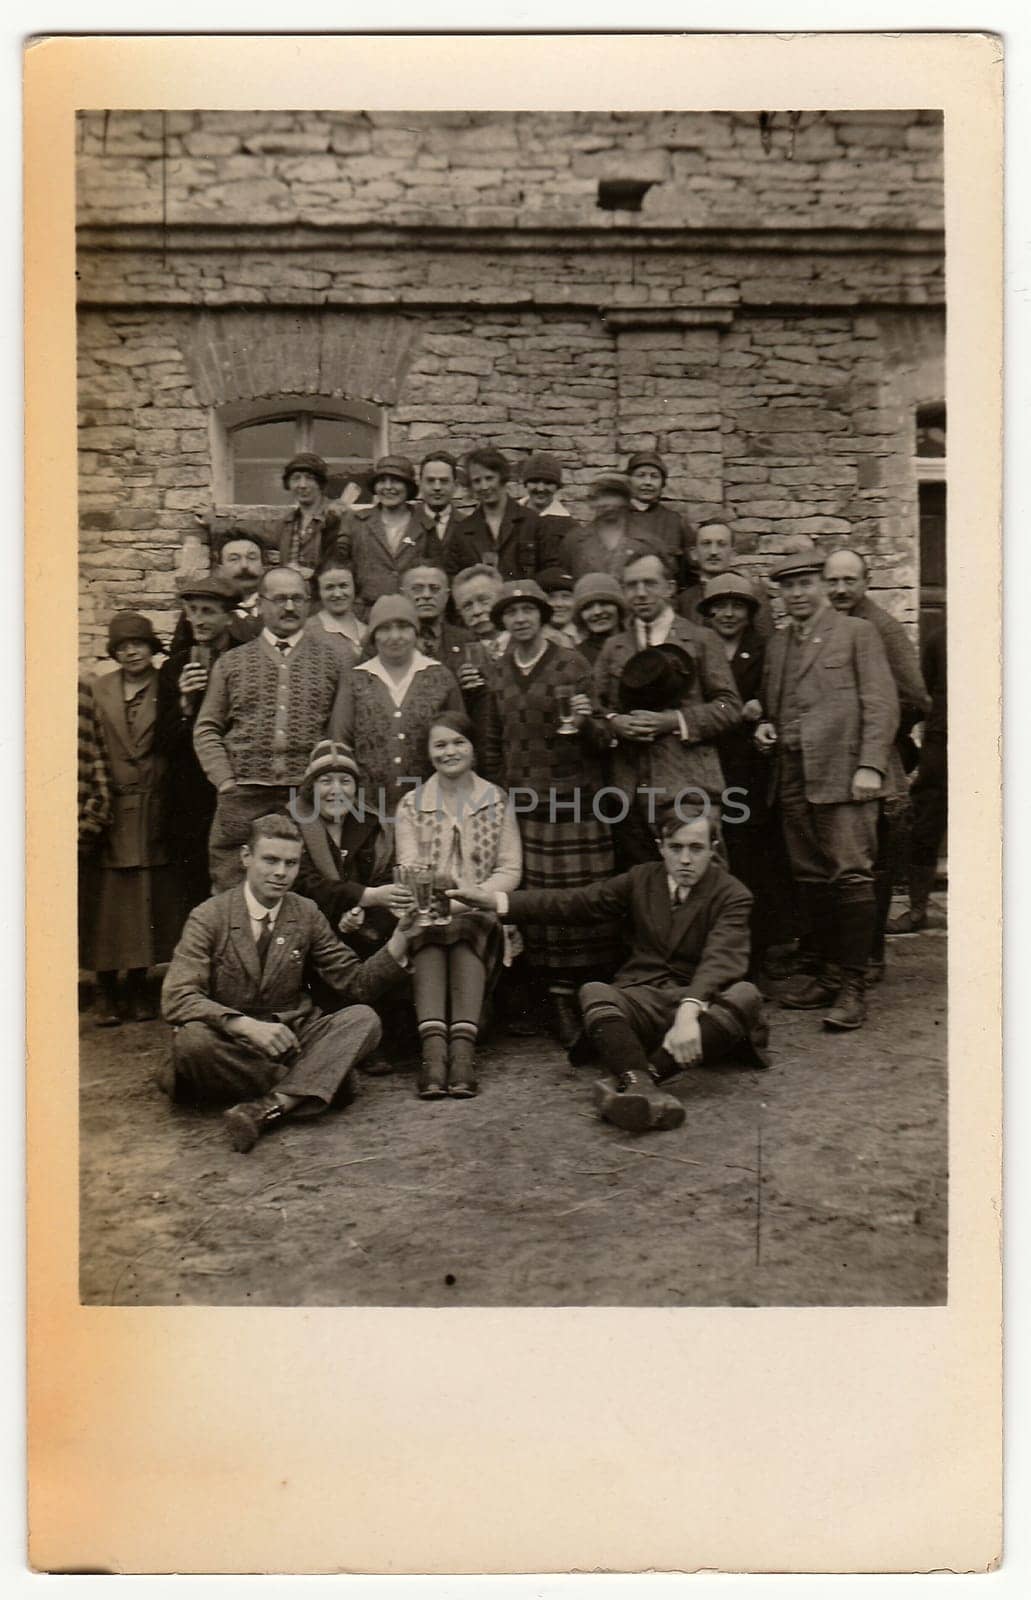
{"type": "Point", "coordinates": [568, 855]}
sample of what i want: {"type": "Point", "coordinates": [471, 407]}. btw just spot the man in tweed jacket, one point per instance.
{"type": "Point", "coordinates": [236, 995]}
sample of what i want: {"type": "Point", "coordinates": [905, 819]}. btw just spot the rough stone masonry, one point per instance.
{"type": "Point", "coordinates": [585, 283]}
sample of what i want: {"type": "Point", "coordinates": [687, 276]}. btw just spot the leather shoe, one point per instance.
{"type": "Point", "coordinates": [850, 1010]}
{"type": "Point", "coordinates": [106, 1013]}
{"type": "Point", "coordinates": [433, 1071]}
{"type": "Point", "coordinates": [245, 1123]}
{"type": "Point", "coordinates": [461, 1082]}
{"type": "Point", "coordinates": [635, 1104]}
{"type": "Point", "coordinates": [809, 994]}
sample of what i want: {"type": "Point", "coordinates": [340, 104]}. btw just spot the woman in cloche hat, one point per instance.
{"type": "Point", "coordinates": [311, 533]}
{"type": "Point", "coordinates": [134, 922]}
{"type": "Point", "coordinates": [388, 538]}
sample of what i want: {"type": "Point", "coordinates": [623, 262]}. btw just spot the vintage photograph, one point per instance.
{"type": "Point", "coordinates": [512, 763]}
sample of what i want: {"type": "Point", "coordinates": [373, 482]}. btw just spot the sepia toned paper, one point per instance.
{"type": "Point", "coordinates": [431, 1441]}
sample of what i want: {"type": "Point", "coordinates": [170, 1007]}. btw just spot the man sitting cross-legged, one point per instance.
{"type": "Point", "coordinates": [246, 1026]}
{"type": "Point", "coordinates": [678, 999]}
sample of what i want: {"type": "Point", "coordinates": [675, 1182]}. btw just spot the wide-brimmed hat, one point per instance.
{"type": "Point", "coordinates": [306, 462]}
{"type": "Point", "coordinates": [126, 625]}
{"type": "Point", "coordinates": [728, 586]}
{"type": "Point", "coordinates": [520, 589]}
{"type": "Point", "coordinates": [395, 467]}
{"type": "Point", "coordinates": [654, 679]}
{"type": "Point", "coordinates": [209, 586]}
{"type": "Point", "coordinates": [392, 608]}
{"type": "Point", "coordinates": [647, 458]}
{"type": "Point", "coordinates": [798, 561]}
{"type": "Point", "coordinates": [597, 586]}
{"type": "Point", "coordinates": [330, 756]}
{"type": "Point", "coordinates": [543, 467]}
{"type": "Point", "coordinates": [611, 483]}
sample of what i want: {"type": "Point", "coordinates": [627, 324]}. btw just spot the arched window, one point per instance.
{"type": "Point", "coordinates": [253, 441]}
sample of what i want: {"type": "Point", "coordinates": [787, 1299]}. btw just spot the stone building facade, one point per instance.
{"type": "Point", "coordinates": [771, 319]}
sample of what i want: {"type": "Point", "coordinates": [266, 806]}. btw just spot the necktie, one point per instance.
{"type": "Point", "coordinates": [647, 633]}
{"type": "Point", "coordinates": [263, 940]}
{"type": "Point", "coordinates": [283, 646]}
{"type": "Point", "coordinates": [677, 898]}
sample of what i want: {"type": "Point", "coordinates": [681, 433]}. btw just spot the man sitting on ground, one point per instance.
{"type": "Point", "coordinates": [678, 999]}
{"type": "Point", "coordinates": [235, 993]}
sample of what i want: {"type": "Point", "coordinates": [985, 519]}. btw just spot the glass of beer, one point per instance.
{"type": "Point", "coordinates": [422, 885]}
{"type": "Point", "coordinates": [564, 701]}
{"type": "Point", "coordinates": [441, 909]}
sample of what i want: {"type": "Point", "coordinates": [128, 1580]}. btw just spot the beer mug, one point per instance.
{"type": "Point", "coordinates": [422, 885]}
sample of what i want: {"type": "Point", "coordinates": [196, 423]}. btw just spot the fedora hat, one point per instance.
{"type": "Point", "coordinates": [654, 679]}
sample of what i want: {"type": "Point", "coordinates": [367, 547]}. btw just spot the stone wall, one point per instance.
{"type": "Point", "coordinates": [853, 169]}
{"type": "Point", "coordinates": [773, 344]}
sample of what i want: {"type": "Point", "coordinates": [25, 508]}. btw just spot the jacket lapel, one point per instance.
{"type": "Point", "coordinates": [284, 942]}
{"type": "Point", "coordinates": [817, 641]}
{"type": "Point", "coordinates": [107, 691]}
{"type": "Point", "coordinates": [243, 938]}
{"type": "Point", "coordinates": [316, 842]}
{"type": "Point", "coordinates": [775, 679]}
{"type": "Point", "coordinates": [684, 916]}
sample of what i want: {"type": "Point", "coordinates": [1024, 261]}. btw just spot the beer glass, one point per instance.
{"type": "Point", "coordinates": [422, 885]}
{"type": "Point", "coordinates": [564, 701]}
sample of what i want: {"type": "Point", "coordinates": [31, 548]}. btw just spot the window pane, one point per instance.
{"type": "Point", "coordinates": [930, 431]}
{"type": "Point", "coordinates": [342, 439]}
{"type": "Point", "coordinates": [260, 452]}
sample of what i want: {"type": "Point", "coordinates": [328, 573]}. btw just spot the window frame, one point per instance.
{"type": "Point", "coordinates": [224, 421]}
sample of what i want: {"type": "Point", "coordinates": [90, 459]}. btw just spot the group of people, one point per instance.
{"type": "Point", "coordinates": [506, 762]}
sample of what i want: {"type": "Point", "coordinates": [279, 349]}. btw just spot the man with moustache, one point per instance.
{"type": "Point", "coordinates": [830, 716]}
{"type": "Point", "coordinates": [240, 559]}
{"type": "Point", "coordinates": [266, 705]}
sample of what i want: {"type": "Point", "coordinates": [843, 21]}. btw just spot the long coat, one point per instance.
{"type": "Point", "coordinates": [216, 974]}
{"type": "Point", "coordinates": [696, 950]}
{"type": "Point", "coordinates": [848, 702]}
{"type": "Point", "coordinates": [710, 707]}
{"type": "Point", "coordinates": [188, 794]}
{"type": "Point", "coordinates": [136, 836]}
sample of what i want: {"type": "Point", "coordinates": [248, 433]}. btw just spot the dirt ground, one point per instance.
{"type": "Point", "coordinates": [819, 1182]}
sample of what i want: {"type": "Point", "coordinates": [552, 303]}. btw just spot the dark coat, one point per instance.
{"type": "Point", "coordinates": [336, 878]}
{"type": "Point", "coordinates": [189, 799]}
{"type": "Point", "coordinates": [525, 544]}
{"type": "Point", "coordinates": [323, 539]}
{"type": "Point", "coordinates": [848, 701]}
{"type": "Point", "coordinates": [743, 766]}
{"type": "Point", "coordinates": [216, 975]}
{"type": "Point", "coordinates": [697, 950]}
{"type": "Point", "coordinates": [135, 837]}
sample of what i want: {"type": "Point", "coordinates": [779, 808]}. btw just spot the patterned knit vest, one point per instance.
{"type": "Point", "coordinates": [267, 744]}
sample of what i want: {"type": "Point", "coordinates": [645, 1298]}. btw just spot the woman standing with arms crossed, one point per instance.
{"type": "Point", "coordinates": [461, 828]}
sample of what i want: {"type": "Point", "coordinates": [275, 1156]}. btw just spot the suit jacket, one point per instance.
{"type": "Point", "coordinates": [743, 766]}
{"type": "Point", "coordinates": [848, 701]}
{"type": "Point", "coordinates": [135, 837]}
{"type": "Point", "coordinates": [711, 706]}
{"type": "Point", "coordinates": [377, 569]}
{"type": "Point", "coordinates": [215, 973]}
{"type": "Point", "coordinates": [525, 544]}
{"type": "Point", "coordinates": [697, 950]}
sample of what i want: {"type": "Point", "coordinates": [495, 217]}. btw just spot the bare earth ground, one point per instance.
{"type": "Point", "coordinates": [820, 1182]}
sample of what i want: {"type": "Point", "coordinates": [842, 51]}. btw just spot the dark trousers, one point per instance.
{"type": "Point", "coordinates": [209, 1067]}
{"type": "Point", "coordinates": [650, 1010]}
{"type": "Point", "coordinates": [930, 794]}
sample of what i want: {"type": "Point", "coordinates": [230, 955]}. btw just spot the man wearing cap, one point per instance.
{"type": "Point", "coordinates": [831, 711]}
{"type": "Point", "coordinates": [390, 537]}
{"type": "Point", "coordinates": [713, 555]}
{"type": "Point", "coordinates": [267, 703]}
{"type": "Point", "coordinates": [312, 531]}
{"type": "Point", "coordinates": [500, 532]}
{"type": "Point", "coordinates": [846, 576]}
{"type": "Point", "coordinates": [657, 755]}
{"type": "Point", "coordinates": [236, 993]}
{"type": "Point", "coordinates": [667, 529]}
{"type": "Point", "coordinates": [605, 544]}
{"type": "Point", "coordinates": [438, 485]}
{"type": "Point", "coordinates": [755, 848]}
{"type": "Point", "coordinates": [208, 607]}
{"type": "Point", "coordinates": [240, 560]}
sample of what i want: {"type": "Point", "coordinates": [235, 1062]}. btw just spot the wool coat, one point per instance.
{"type": "Point", "coordinates": [216, 974]}
{"type": "Point", "coordinates": [848, 703]}
{"type": "Point", "coordinates": [136, 835]}
{"type": "Point", "coordinates": [696, 950]}
{"type": "Point", "coordinates": [711, 706]}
